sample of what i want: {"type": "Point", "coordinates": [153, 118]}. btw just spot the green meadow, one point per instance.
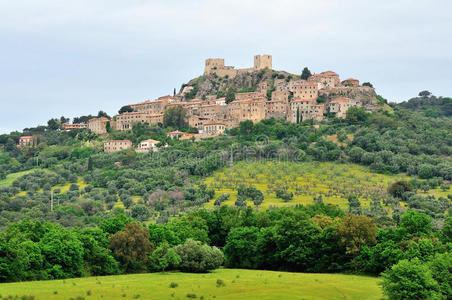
{"type": "Point", "coordinates": [220, 284]}
{"type": "Point", "coordinates": [306, 180]}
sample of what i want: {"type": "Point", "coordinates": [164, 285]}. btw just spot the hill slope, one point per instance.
{"type": "Point", "coordinates": [238, 284]}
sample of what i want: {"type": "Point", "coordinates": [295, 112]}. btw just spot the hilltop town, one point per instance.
{"type": "Point", "coordinates": [224, 96]}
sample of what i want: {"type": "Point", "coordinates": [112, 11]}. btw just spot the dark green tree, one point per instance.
{"type": "Point", "coordinates": [125, 108]}
{"type": "Point", "coordinates": [175, 117]}
{"type": "Point", "coordinates": [305, 74]}
{"type": "Point", "coordinates": [230, 95]}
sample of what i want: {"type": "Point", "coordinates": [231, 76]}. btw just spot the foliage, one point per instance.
{"type": "Point", "coordinates": [131, 246]}
{"type": "Point", "coordinates": [175, 117]}
{"type": "Point", "coordinates": [305, 74]}
{"type": "Point", "coordinates": [410, 280]}
{"type": "Point", "coordinates": [355, 232]}
{"type": "Point", "coordinates": [198, 258]}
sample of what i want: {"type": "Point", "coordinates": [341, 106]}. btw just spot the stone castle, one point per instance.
{"type": "Point", "coordinates": [216, 66]}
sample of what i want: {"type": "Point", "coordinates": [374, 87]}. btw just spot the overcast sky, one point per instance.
{"type": "Point", "coordinates": [75, 58]}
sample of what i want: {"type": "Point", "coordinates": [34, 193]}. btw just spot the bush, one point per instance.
{"type": "Point", "coordinates": [409, 280]}
{"type": "Point", "coordinates": [197, 257]}
{"type": "Point", "coordinates": [397, 189]}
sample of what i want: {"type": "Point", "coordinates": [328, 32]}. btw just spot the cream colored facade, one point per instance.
{"type": "Point", "coordinates": [98, 125]}
{"type": "Point", "coordinates": [351, 82]}
{"type": "Point", "coordinates": [307, 109]}
{"type": "Point", "coordinates": [117, 145]}
{"type": "Point", "coordinates": [276, 109]}
{"type": "Point", "coordinates": [340, 105]}
{"type": "Point", "coordinates": [249, 95]}
{"type": "Point", "coordinates": [242, 110]}
{"type": "Point", "coordinates": [213, 129]}
{"type": "Point", "coordinates": [306, 91]}
{"type": "Point", "coordinates": [126, 120]}
{"type": "Point", "coordinates": [328, 79]}
{"type": "Point", "coordinates": [281, 95]}
{"type": "Point", "coordinates": [147, 145]}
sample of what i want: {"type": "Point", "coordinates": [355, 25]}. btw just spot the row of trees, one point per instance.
{"type": "Point", "coordinates": [314, 238]}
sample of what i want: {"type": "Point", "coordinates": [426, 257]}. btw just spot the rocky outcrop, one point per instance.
{"type": "Point", "coordinates": [211, 84]}
{"type": "Point", "coordinates": [366, 95]}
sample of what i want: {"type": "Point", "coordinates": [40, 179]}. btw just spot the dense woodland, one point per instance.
{"type": "Point", "coordinates": [68, 209]}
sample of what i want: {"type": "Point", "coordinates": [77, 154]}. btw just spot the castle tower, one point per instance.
{"type": "Point", "coordinates": [213, 64]}
{"type": "Point", "coordinates": [263, 61]}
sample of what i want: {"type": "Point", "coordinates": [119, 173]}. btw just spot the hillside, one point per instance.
{"type": "Point", "coordinates": [236, 284]}
{"type": "Point", "coordinates": [214, 85]}
{"type": "Point", "coordinates": [430, 105]}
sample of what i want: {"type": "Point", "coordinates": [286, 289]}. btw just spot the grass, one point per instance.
{"type": "Point", "coordinates": [306, 180]}
{"type": "Point", "coordinates": [13, 176]}
{"type": "Point", "coordinates": [235, 284]}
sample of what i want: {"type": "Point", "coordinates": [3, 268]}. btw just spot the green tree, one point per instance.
{"type": "Point", "coordinates": [425, 94]}
{"type": "Point", "coordinates": [240, 248]}
{"type": "Point", "coordinates": [198, 258]}
{"type": "Point", "coordinates": [354, 205]}
{"type": "Point", "coordinates": [356, 114]}
{"type": "Point", "coordinates": [368, 84]}
{"type": "Point", "coordinates": [131, 247]}
{"type": "Point", "coordinates": [441, 268]}
{"type": "Point", "coordinates": [415, 223]}
{"type": "Point", "coordinates": [305, 74]}
{"type": "Point", "coordinates": [398, 188]}
{"type": "Point", "coordinates": [125, 108]}
{"type": "Point", "coordinates": [230, 95]}
{"type": "Point", "coordinates": [175, 116]}
{"type": "Point", "coordinates": [355, 232]}
{"type": "Point", "coordinates": [164, 258]}
{"type": "Point", "coordinates": [140, 212]}
{"type": "Point", "coordinates": [114, 224]}
{"type": "Point", "coordinates": [409, 280]}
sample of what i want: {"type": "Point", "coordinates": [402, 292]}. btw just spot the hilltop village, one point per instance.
{"type": "Point", "coordinates": [280, 96]}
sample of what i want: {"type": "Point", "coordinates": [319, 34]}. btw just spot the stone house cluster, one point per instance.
{"type": "Point", "coordinates": [294, 100]}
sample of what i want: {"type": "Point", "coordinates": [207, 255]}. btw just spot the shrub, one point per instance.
{"type": "Point", "coordinates": [397, 189]}
{"type": "Point", "coordinates": [173, 285]}
{"type": "Point", "coordinates": [220, 283]}
{"type": "Point", "coordinates": [409, 280]}
{"type": "Point", "coordinates": [196, 257]}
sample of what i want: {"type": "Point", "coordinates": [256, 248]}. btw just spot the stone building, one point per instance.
{"type": "Point", "coordinates": [263, 61]}
{"type": "Point", "coordinates": [151, 107]}
{"type": "Point", "coordinates": [25, 141]}
{"type": "Point", "coordinates": [306, 109]}
{"type": "Point", "coordinates": [216, 66]}
{"type": "Point", "coordinates": [328, 79]}
{"type": "Point", "coordinates": [126, 120]}
{"type": "Point", "coordinates": [117, 145]}
{"type": "Point", "coordinates": [213, 129]}
{"type": "Point", "coordinates": [69, 127]}
{"type": "Point", "coordinates": [281, 95]}
{"type": "Point", "coordinates": [340, 105]}
{"type": "Point", "coordinates": [351, 82]}
{"type": "Point", "coordinates": [306, 91]}
{"type": "Point", "coordinates": [249, 95]}
{"type": "Point", "coordinates": [147, 145]}
{"type": "Point", "coordinates": [98, 125]}
{"type": "Point", "coordinates": [243, 110]}
{"type": "Point", "coordinates": [276, 109]}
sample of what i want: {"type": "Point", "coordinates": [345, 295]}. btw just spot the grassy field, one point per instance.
{"type": "Point", "coordinates": [11, 177]}
{"type": "Point", "coordinates": [237, 284]}
{"type": "Point", "coordinates": [306, 180]}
